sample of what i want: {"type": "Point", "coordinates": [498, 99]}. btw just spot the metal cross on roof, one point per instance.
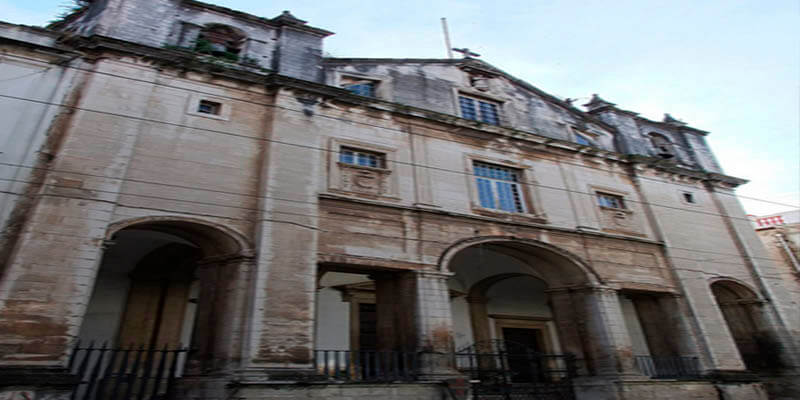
{"type": "Point", "coordinates": [467, 54]}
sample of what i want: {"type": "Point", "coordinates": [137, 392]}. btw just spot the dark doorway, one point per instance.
{"type": "Point", "coordinates": [523, 345]}
{"type": "Point", "coordinates": [368, 327]}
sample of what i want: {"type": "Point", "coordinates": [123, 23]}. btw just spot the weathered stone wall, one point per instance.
{"type": "Point", "coordinates": [436, 84]}
{"type": "Point", "coordinates": [32, 88]}
{"type": "Point", "coordinates": [160, 23]}
{"type": "Point", "coordinates": [389, 391]}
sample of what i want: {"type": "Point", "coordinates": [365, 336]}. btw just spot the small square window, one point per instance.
{"type": "Point", "coordinates": [362, 158]}
{"type": "Point", "coordinates": [209, 107]}
{"type": "Point", "coordinates": [478, 109]}
{"type": "Point", "coordinates": [610, 201]}
{"type": "Point", "coordinates": [689, 197]}
{"type": "Point", "coordinates": [498, 187]}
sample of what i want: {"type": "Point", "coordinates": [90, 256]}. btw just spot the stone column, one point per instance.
{"type": "Point", "coordinates": [479, 319]}
{"type": "Point", "coordinates": [280, 333]}
{"type": "Point", "coordinates": [607, 343]}
{"type": "Point", "coordinates": [434, 325]}
{"type": "Point", "coordinates": [568, 325]}
{"type": "Point", "coordinates": [221, 314]}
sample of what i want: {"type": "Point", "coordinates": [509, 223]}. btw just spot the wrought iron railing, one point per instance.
{"type": "Point", "coordinates": [367, 366]}
{"type": "Point", "coordinates": [673, 367]}
{"type": "Point", "coordinates": [497, 359]}
{"type": "Point", "coordinates": [125, 373]}
{"type": "Point", "coordinates": [506, 370]}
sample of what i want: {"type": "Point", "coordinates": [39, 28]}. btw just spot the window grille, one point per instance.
{"type": "Point", "coordinates": [366, 89]}
{"type": "Point", "coordinates": [479, 110]}
{"type": "Point", "coordinates": [498, 187]}
{"type": "Point", "coordinates": [363, 158]}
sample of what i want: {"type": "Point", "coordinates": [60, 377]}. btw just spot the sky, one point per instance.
{"type": "Point", "coordinates": [725, 66]}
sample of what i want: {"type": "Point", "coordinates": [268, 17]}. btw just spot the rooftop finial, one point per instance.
{"type": "Point", "coordinates": [669, 119]}
{"type": "Point", "coordinates": [596, 103]}
{"type": "Point", "coordinates": [466, 53]}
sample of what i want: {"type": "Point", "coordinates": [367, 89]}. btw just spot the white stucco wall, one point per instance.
{"type": "Point", "coordinates": [333, 313]}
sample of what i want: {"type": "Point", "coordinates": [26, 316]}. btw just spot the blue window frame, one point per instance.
{"type": "Point", "coordinates": [362, 158]}
{"type": "Point", "coordinates": [498, 187]}
{"type": "Point", "coordinates": [366, 89]}
{"type": "Point", "coordinates": [479, 110]}
{"type": "Point", "coordinates": [610, 201]}
{"type": "Point", "coordinates": [583, 140]}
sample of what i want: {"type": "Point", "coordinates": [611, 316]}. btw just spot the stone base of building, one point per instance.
{"type": "Point", "coordinates": [218, 390]}
{"type": "Point", "coordinates": [782, 387]}
{"type": "Point", "coordinates": [664, 389]}
{"type": "Point", "coordinates": [21, 383]}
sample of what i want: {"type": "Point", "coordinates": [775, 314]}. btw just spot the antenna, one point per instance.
{"type": "Point", "coordinates": [447, 38]}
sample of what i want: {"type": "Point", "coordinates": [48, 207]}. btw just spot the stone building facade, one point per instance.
{"type": "Point", "coordinates": [181, 173]}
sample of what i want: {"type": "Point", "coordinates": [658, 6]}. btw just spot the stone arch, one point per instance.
{"type": "Point", "coordinates": [737, 287]}
{"type": "Point", "coordinates": [220, 40]}
{"type": "Point", "coordinates": [160, 277]}
{"type": "Point", "coordinates": [663, 145]}
{"type": "Point", "coordinates": [480, 288]}
{"type": "Point", "coordinates": [742, 310]}
{"type": "Point", "coordinates": [214, 239]}
{"type": "Point", "coordinates": [562, 263]}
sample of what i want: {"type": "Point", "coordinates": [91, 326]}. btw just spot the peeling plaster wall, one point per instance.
{"type": "Point", "coordinates": [435, 86]}
{"type": "Point", "coordinates": [27, 74]}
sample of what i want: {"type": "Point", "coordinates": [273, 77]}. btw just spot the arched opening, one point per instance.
{"type": "Point", "coordinates": [741, 309]}
{"type": "Point", "coordinates": [662, 145]}
{"type": "Point", "coordinates": [145, 291]}
{"type": "Point", "coordinates": [158, 280]}
{"type": "Point", "coordinates": [512, 310]}
{"type": "Point", "coordinates": [220, 41]}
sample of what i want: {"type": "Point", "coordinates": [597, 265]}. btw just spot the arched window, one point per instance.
{"type": "Point", "coordinates": [662, 146]}
{"type": "Point", "coordinates": [220, 41]}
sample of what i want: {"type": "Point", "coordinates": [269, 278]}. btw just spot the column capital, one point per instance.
{"type": "Point", "coordinates": [434, 274]}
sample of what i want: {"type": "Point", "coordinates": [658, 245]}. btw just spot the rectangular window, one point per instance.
{"type": "Point", "coordinates": [610, 201]}
{"type": "Point", "coordinates": [364, 158]}
{"type": "Point", "coordinates": [498, 187]}
{"type": "Point", "coordinates": [209, 107]}
{"type": "Point", "coordinates": [479, 110]}
{"type": "Point", "coordinates": [366, 89]}
{"type": "Point", "coordinates": [688, 197]}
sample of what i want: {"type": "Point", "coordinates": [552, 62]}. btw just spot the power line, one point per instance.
{"type": "Point", "coordinates": [330, 151]}
{"type": "Point", "coordinates": [350, 121]}
{"type": "Point", "coordinates": [335, 219]}
{"type": "Point", "coordinates": [316, 148]}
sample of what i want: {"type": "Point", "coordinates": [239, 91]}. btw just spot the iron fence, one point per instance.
{"type": "Point", "coordinates": [674, 367]}
{"type": "Point", "coordinates": [508, 371]}
{"type": "Point", "coordinates": [367, 366]}
{"type": "Point", "coordinates": [125, 373]}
